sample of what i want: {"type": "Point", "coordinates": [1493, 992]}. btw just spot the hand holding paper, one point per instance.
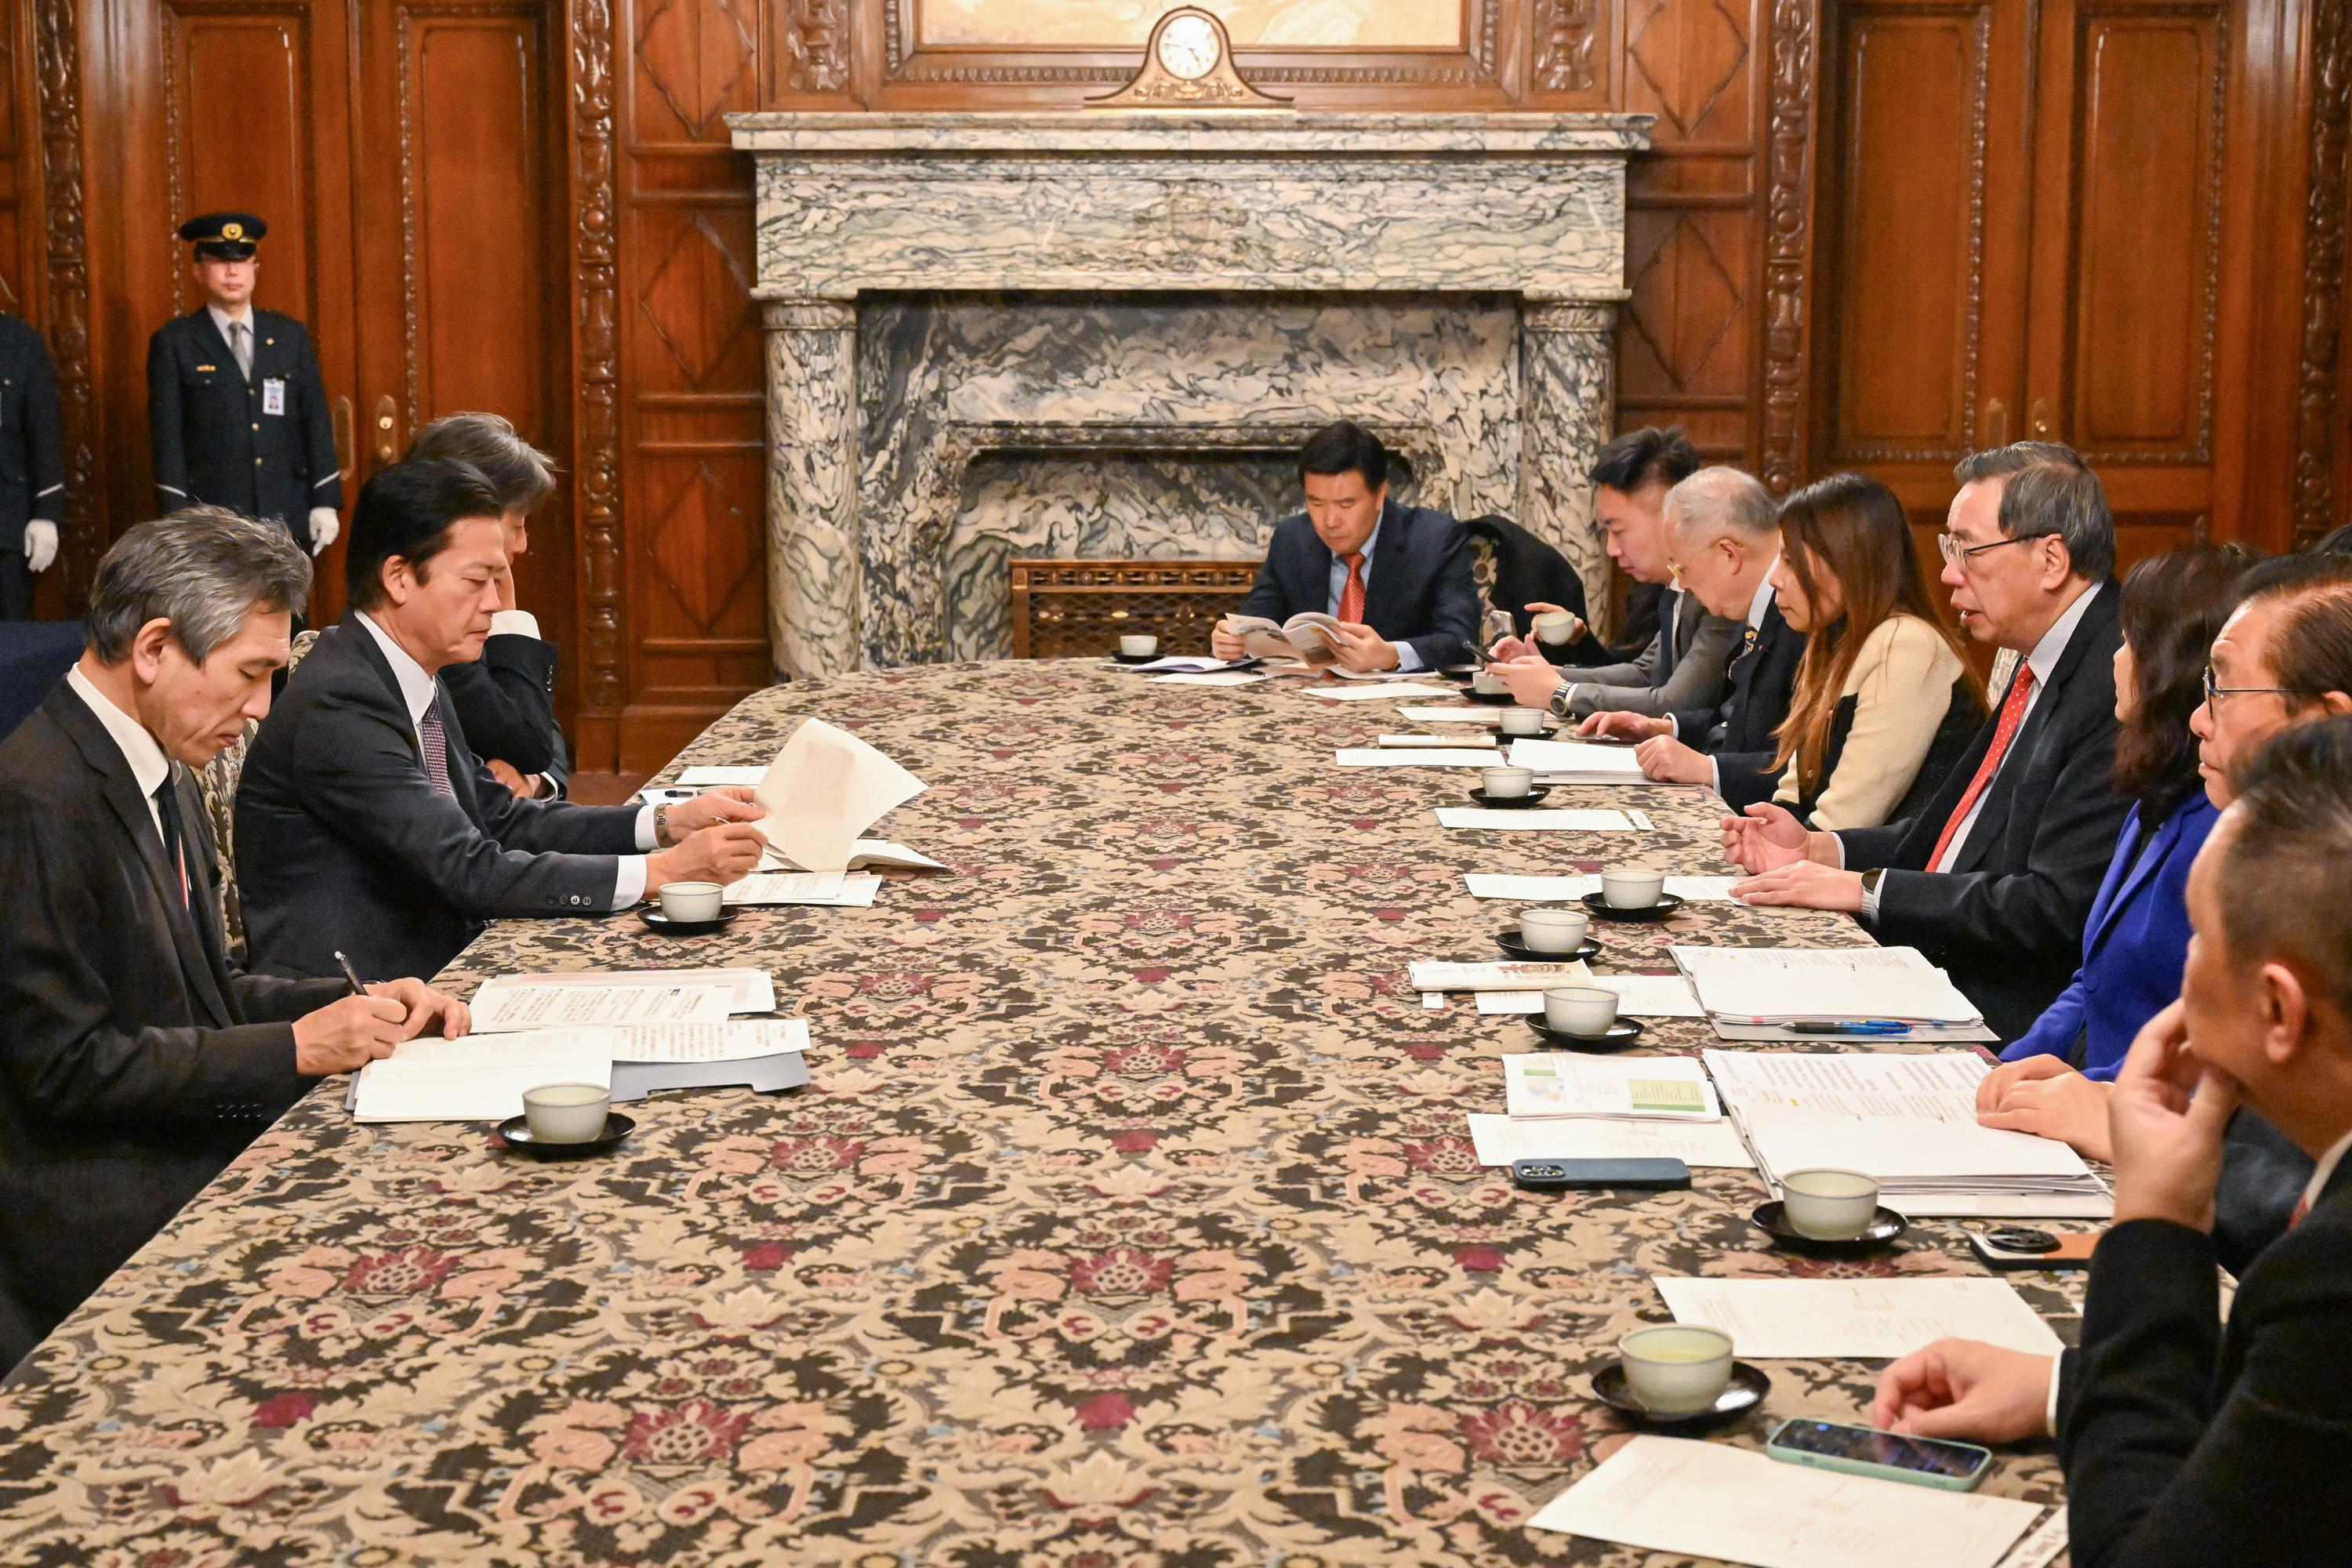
{"type": "Point", "coordinates": [825, 788]}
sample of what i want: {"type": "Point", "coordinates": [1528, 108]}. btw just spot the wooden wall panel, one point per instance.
{"type": "Point", "coordinates": [238, 128]}
{"type": "Point", "coordinates": [20, 208]}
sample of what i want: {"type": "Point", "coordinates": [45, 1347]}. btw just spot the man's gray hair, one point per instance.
{"type": "Point", "coordinates": [1723, 499]}
{"type": "Point", "coordinates": [2050, 490]}
{"type": "Point", "coordinates": [203, 569]}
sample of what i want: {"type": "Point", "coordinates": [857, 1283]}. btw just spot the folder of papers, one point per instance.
{"type": "Point", "coordinates": [1538, 1084]}
{"type": "Point", "coordinates": [1910, 1119]}
{"type": "Point", "coordinates": [830, 889]}
{"type": "Point", "coordinates": [1772, 988]}
{"type": "Point", "coordinates": [1578, 762]}
{"type": "Point", "coordinates": [482, 1077]}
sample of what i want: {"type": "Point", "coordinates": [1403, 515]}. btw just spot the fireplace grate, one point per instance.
{"type": "Point", "coordinates": [1076, 609]}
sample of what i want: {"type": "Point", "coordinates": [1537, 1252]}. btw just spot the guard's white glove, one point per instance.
{"type": "Point", "coordinates": [324, 526]}
{"type": "Point", "coordinates": [40, 545]}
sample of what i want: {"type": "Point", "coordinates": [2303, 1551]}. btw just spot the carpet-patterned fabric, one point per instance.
{"type": "Point", "coordinates": [1131, 1220]}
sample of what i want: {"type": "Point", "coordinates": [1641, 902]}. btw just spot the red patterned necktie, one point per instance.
{"type": "Point", "coordinates": [2302, 1209]}
{"type": "Point", "coordinates": [437, 747]}
{"type": "Point", "coordinates": [1351, 597]}
{"type": "Point", "coordinates": [2012, 714]}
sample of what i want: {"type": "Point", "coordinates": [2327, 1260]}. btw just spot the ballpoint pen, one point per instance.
{"type": "Point", "coordinates": [351, 974]}
{"type": "Point", "coordinates": [1863, 1026]}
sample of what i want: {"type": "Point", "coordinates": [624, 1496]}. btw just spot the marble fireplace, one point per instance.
{"type": "Point", "coordinates": [1101, 333]}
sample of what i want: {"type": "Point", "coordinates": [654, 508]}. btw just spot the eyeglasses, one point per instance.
{"type": "Point", "coordinates": [1955, 553]}
{"type": "Point", "coordinates": [2213, 694]}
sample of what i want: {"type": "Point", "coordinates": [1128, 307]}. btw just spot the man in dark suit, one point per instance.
{"type": "Point", "coordinates": [2184, 1443]}
{"type": "Point", "coordinates": [136, 1060]}
{"type": "Point", "coordinates": [235, 410]}
{"type": "Point", "coordinates": [1396, 577]}
{"type": "Point", "coordinates": [506, 699]}
{"type": "Point", "coordinates": [366, 824]}
{"type": "Point", "coordinates": [1995, 878]}
{"type": "Point", "coordinates": [1723, 537]}
{"type": "Point", "coordinates": [1682, 666]}
{"type": "Point", "coordinates": [32, 466]}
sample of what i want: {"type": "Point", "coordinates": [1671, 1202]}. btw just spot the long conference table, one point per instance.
{"type": "Point", "coordinates": [1132, 1216]}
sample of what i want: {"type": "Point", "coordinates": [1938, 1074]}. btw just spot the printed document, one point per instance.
{"type": "Point", "coordinates": [1856, 1320]}
{"type": "Point", "coordinates": [740, 1041]}
{"type": "Point", "coordinates": [1447, 743]}
{"type": "Point", "coordinates": [1508, 976]}
{"type": "Point", "coordinates": [1552, 1083]}
{"type": "Point", "coordinates": [1546, 889]}
{"type": "Point", "coordinates": [1638, 996]}
{"type": "Point", "coordinates": [528, 1003]}
{"type": "Point", "coordinates": [1578, 762]}
{"type": "Point", "coordinates": [835, 889]}
{"type": "Point", "coordinates": [749, 990]}
{"type": "Point", "coordinates": [1499, 1140]}
{"type": "Point", "coordinates": [478, 1079]}
{"type": "Point", "coordinates": [1417, 757]}
{"type": "Point", "coordinates": [1525, 819]}
{"type": "Point", "coordinates": [1208, 677]}
{"type": "Point", "coordinates": [825, 788]}
{"type": "Point", "coordinates": [1783, 985]}
{"type": "Point", "coordinates": [1376, 693]}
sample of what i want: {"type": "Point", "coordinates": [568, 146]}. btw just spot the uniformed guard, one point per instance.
{"type": "Point", "coordinates": [32, 466]}
{"type": "Point", "coordinates": [234, 403]}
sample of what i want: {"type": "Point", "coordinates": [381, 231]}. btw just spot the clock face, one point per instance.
{"type": "Point", "coordinates": [1187, 47]}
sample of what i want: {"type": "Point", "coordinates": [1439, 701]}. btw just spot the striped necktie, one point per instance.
{"type": "Point", "coordinates": [437, 747]}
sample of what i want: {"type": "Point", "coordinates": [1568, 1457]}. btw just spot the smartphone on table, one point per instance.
{"type": "Point", "coordinates": [1888, 1456]}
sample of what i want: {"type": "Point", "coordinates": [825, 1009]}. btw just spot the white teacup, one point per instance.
{"type": "Point", "coordinates": [1631, 888]}
{"type": "Point", "coordinates": [566, 1112]}
{"type": "Point", "coordinates": [1553, 931]}
{"type": "Point", "coordinates": [1522, 721]}
{"type": "Point", "coordinates": [1587, 1010]}
{"type": "Point", "coordinates": [692, 900]}
{"type": "Point", "coordinates": [1139, 647]}
{"type": "Point", "coordinates": [1487, 684]}
{"type": "Point", "coordinates": [1554, 626]}
{"type": "Point", "coordinates": [1676, 1369]}
{"type": "Point", "coordinates": [1507, 783]}
{"type": "Point", "coordinates": [1828, 1204]}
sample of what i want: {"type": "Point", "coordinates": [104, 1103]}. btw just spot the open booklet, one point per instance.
{"type": "Point", "coordinates": [1309, 636]}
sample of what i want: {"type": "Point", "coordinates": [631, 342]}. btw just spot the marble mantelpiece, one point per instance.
{"type": "Point", "coordinates": [1102, 223]}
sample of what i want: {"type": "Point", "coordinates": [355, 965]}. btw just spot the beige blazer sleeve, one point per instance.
{"type": "Point", "coordinates": [1902, 686]}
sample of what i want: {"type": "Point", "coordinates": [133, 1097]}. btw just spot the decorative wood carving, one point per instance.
{"type": "Point", "coordinates": [596, 425]}
{"type": "Point", "coordinates": [817, 46]}
{"type": "Point", "coordinates": [1787, 226]}
{"type": "Point", "coordinates": [2324, 282]}
{"type": "Point", "coordinates": [56, 46]}
{"type": "Point", "coordinates": [1566, 36]}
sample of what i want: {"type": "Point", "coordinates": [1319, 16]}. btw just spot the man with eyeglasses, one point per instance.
{"type": "Point", "coordinates": [2283, 658]}
{"type": "Point", "coordinates": [1995, 878]}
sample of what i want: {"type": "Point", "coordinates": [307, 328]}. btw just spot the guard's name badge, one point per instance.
{"type": "Point", "coordinates": [273, 394]}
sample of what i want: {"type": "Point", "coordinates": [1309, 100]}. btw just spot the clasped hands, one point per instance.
{"type": "Point", "coordinates": [1361, 649]}
{"type": "Point", "coordinates": [711, 839]}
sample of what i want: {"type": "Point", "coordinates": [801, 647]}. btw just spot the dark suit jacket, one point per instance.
{"type": "Point", "coordinates": [134, 1061]}
{"type": "Point", "coordinates": [2189, 1447]}
{"type": "Point", "coordinates": [1528, 571]}
{"type": "Point", "coordinates": [506, 699]}
{"type": "Point", "coordinates": [212, 437]}
{"type": "Point", "coordinates": [32, 455]}
{"type": "Point", "coordinates": [2007, 920]}
{"type": "Point", "coordinates": [1737, 731]}
{"type": "Point", "coordinates": [343, 842]}
{"type": "Point", "coordinates": [1418, 588]}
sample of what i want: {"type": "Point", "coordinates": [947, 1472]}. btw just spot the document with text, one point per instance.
{"type": "Point", "coordinates": [479, 1077]}
{"type": "Point", "coordinates": [1417, 757]}
{"type": "Point", "coordinates": [832, 889]}
{"type": "Point", "coordinates": [1499, 1140]}
{"type": "Point", "coordinates": [1856, 1320]}
{"type": "Point", "coordinates": [1540, 890]}
{"type": "Point", "coordinates": [1553, 1083]}
{"type": "Point", "coordinates": [1525, 819]}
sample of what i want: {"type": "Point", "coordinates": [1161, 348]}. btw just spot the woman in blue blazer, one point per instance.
{"type": "Point", "coordinates": [2137, 936]}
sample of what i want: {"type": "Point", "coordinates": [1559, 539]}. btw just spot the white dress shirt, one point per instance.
{"type": "Point", "coordinates": [148, 766]}
{"type": "Point", "coordinates": [1757, 603]}
{"type": "Point", "coordinates": [418, 689]}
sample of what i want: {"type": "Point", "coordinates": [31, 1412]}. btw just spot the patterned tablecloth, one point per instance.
{"type": "Point", "coordinates": [1131, 1218]}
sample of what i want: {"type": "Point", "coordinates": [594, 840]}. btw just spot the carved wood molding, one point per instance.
{"type": "Point", "coordinates": [596, 357]}
{"type": "Point", "coordinates": [56, 46]}
{"type": "Point", "coordinates": [1788, 234]}
{"type": "Point", "coordinates": [1567, 41]}
{"type": "Point", "coordinates": [2318, 369]}
{"type": "Point", "coordinates": [815, 35]}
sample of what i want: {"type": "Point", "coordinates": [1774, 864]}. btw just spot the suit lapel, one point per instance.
{"type": "Point", "coordinates": [1387, 567]}
{"type": "Point", "coordinates": [213, 340]}
{"type": "Point", "coordinates": [193, 924]}
{"type": "Point", "coordinates": [2137, 854]}
{"type": "Point", "coordinates": [2002, 790]}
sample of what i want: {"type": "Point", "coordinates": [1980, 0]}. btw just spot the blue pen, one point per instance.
{"type": "Point", "coordinates": [1866, 1026]}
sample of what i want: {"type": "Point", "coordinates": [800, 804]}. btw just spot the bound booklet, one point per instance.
{"type": "Point", "coordinates": [1309, 636]}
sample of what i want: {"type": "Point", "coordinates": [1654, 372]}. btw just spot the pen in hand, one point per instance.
{"type": "Point", "coordinates": [350, 975]}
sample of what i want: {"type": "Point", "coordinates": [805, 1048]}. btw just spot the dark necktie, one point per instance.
{"type": "Point", "coordinates": [167, 821]}
{"type": "Point", "coordinates": [437, 747]}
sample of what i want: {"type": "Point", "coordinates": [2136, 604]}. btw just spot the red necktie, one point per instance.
{"type": "Point", "coordinates": [2012, 714]}
{"type": "Point", "coordinates": [1352, 597]}
{"type": "Point", "coordinates": [2302, 1208]}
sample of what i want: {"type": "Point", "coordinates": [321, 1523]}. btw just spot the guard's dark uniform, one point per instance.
{"type": "Point", "coordinates": [32, 457]}
{"type": "Point", "coordinates": [264, 446]}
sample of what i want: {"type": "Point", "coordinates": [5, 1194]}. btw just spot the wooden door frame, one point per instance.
{"type": "Point", "coordinates": [595, 728]}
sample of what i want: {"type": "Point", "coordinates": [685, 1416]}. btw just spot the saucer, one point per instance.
{"type": "Point", "coordinates": [1136, 657]}
{"type": "Point", "coordinates": [1773, 1221]}
{"type": "Point", "coordinates": [657, 921]}
{"type": "Point", "coordinates": [1512, 942]}
{"type": "Point", "coordinates": [1504, 737]}
{"type": "Point", "coordinates": [1491, 698]}
{"type": "Point", "coordinates": [1667, 904]}
{"type": "Point", "coordinates": [1745, 1391]}
{"type": "Point", "coordinates": [1615, 1038]}
{"type": "Point", "coordinates": [1509, 802]}
{"type": "Point", "coordinates": [515, 1133]}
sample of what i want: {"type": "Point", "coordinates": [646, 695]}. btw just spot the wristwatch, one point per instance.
{"type": "Point", "coordinates": [1870, 881]}
{"type": "Point", "coordinates": [1560, 695]}
{"type": "Point", "coordinates": [661, 825]}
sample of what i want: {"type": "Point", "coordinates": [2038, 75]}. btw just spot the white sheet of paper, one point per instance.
{"type": "Point", "coordinates": [1638, 996]}
{"type": "Point", "coordinates": [527, 1004]}
{"type": "Point", "coordinates": [825, 788]}
{"type": "Point", "coordinates": [751, 990]}
{"type": "Point", "coordinates": [1376, 693]}
{"type": "Point", "coordinates": [864, 853]}
{"type": "Point", "coordinates": [1416, 757]}
{"type": "Point", "coordinates": [1499, 1141]}
{"type": "Point", "coordinates": [1514, 976]}
{"type": "Point", "coordinates": [1585, 762]}
{"type": "Point", "coordinates": [1535, 819]}
{"type": "Point", "coordinates": [1895, 1147]}
{"type": "Point", "coordinates": [1491, 715]}
{"type": "Point", "coordinates": [831, 890]}
{"type": "Point", "coordinates": [1860, 1084]}
{"type": "Point", "coordinates": [479, 1077]}
{"type": "Point", "coordinates": [712, 778]}
{"type": "Point", "coordinates": [1208, 677]}
{"type": "Point", "coordinates": [1856, 1320]}
{"type": "Point", "coordinates": [1539, 1084]}
{"type": "Point", "coordinates": [1485, 743]}
{"type": "Point", "coordinates": [730, 1042]}
{"type": "Point", "coordinates": [1181, 663]}
{"type": "Point", "coordinates": [1709, 1499]}
{"type": "Point", "coordinates": [1546, 889]}
{"type": "Point", "coordinates": [1768, 985]}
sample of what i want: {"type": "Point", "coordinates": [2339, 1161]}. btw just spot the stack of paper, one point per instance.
{"type": "Point", "coordinates": [1689, 1498]}
{"type": "Point", "coordinates": [1638, 996]}
{"type": "Point", "coordinates": [1416, 757]}
{"type": "Point", "coordinates": [1191, 664]}
{"type": "Point", "coordinates": [1490, 716]}
{"type": "Point", "coordinates": [1375, 693]}
{"type": "Point", "coordinates": [759, 1053]}
{"type": "Point", "coordinates": [1520, 819]}
{"type": "Point", "coordinates": [829, 890]}
{"type": "Point", "coordinates": [1549, 1083]}
{"type": "Point", "coordinates": [1774, 987]}
{"type": "Point", "coordinates": [1445, 743]}
{"type": "Point", "coordinates": [1522, 977]}
{"type": "Point", "coordinates": [1498, 1140]}
{"type": "Point", "coordinates": [1908, 1119]}
{"type": "Point", "coordinates": [479, 1077]}
{"type": "Point", "coordinates": [1858, 1319]}
{"type": "Point", "coordinates": [1560, 890]}
{"type": "Point", "coordinates": [1578, 762]}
